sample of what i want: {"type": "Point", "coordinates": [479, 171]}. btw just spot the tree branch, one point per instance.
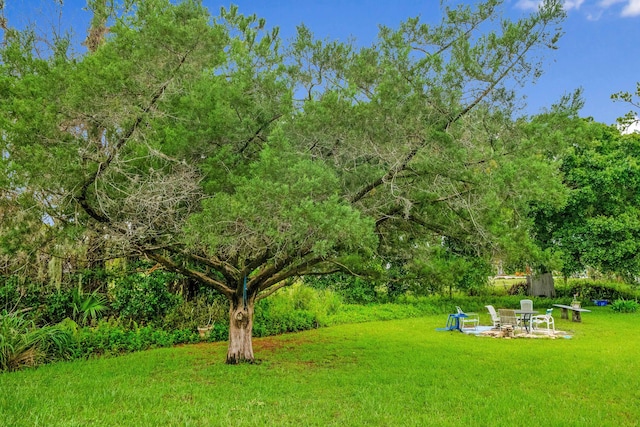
{"type": "Point", "coordinates": [230, 273]}
{"type": "Point", "coordinates": [196, 275]}
{"type": "Point", "coordinates": [82, 197]}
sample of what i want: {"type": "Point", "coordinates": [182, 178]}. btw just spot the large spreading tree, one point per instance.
{"type": "Point", "coordinates": [599, 227]}
{"type": "Point", "coordinates": [205, 144]}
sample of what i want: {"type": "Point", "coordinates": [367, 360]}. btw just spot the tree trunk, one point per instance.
{"type": "Point", "coordinates": [240, 329]}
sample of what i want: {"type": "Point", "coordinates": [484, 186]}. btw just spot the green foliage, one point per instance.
{"type": "Point", "coordinates": [88, 306]}
{"type": "Point", "coordinates": [633, 100]}
{"type": "Point", "coordinates": [197, 312]}
{"type": "Point", "coordinates": [588, 290]}
{"type": "Point", "coordinates": [58, 305]}
{"type": "Point", "coordinates": [22, 344]}
{"type": "Point", "coordinates": [43, 304]}
{"type": "Point", "coordinates": [296, 308]}
{"type": "Point", "coordinates": [445, 268]}
{"type": "Point", "coordinates": [111, 338]}
{"type": "Point", "coordinates": [352, 289]}
{"type": "Point", "coordinates": [519, 288]}
{"type": "Point", "coordinates": [599, 227]}
{"type": "Point", "coordinates": [625, 306]}
{"type": "Point", "coordinates": [308, 206]}
{"type": "Point", "coordinates": [16, 294]}
{"type": "Point", "coordinates": [144, 297]}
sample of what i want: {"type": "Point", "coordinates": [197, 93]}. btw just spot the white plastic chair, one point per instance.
{"type": "Point", "coordinates": [494, 316]}
{"type": "Point", "coordinates": [471, 318]}
{"type": "Point", "coordinates": [547, 319]}
{"type": "Point", "coordinates": [525, 304]}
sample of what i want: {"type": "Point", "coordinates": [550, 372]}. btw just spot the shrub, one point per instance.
{"type": "Point", "coordinates": [624, 306]}
{"type": "Point", "coordinates": [589, 290]}
{"type": "Point", "coordinates": [112, 338]}
{"type": "Point", "coordinates": [18, 294]}
{"type": "Point", "coordinates": [144, 297]}
{"type": "Point", "coordinates": [352, 289]}
{"type": "Point", "coordinates": [57, 305]}
{"type": "Point", "coordinates": [519, 288]}
{"type": "Point", "coordinates": [200, 311]}
{"type": "Point", "coordinates": [23, 344]}
{"type": "Point", "coordinates": [298, 307]}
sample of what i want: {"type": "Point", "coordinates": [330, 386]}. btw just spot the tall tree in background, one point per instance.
{"type": "Point", "coordinates": [206, 146]}
{"type": "Point", "coordinates": [599, 227]}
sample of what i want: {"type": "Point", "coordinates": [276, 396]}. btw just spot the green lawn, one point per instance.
{"type": "Point", "coordinates": [395, 373]}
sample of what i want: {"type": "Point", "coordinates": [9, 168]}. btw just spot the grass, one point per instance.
{"type": "Point", "coordinates": [399, 372]}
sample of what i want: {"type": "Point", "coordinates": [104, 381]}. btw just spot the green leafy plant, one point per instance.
{"type": "Point", "coordinates": [112, 338]}
{"type": "Point", "coordinates": [88, 306]}
{"type": "Point", "coordinates": [197, 312]}
{"type": "Point", "coordinates": [22, 344]}
{"type": "Point", "coordinates": [145, 297]}
{"type": "Point", "coordinates": [625, 306]}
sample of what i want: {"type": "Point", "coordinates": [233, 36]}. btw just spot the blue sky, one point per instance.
{"type": "Point", "coordinates": [600, 50]}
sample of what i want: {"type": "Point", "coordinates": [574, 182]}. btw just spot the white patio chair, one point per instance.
{"type": "Point", "coordinates": [541, 319]}
{"type": "Point", "coordinates": [471, 318]}
{"type": "Point", "coordinates": [525, 304]}
{"type": "Point", "coordinates": [507, 318]}
{"type": "Point", "coordinates": [494, 316]}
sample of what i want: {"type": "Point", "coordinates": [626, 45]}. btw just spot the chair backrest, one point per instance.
{"type": "Point", "coordinates": [526, 304]}
{"type": "Point", "coordinates": [507, 316]}
{"type": "Point", "coordinates": [492, 312]}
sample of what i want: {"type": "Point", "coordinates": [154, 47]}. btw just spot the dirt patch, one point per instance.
{"type": "Point", "coordinates": [273, 344]}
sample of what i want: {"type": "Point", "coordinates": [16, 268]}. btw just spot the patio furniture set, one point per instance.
{"type": "Point", "coordinates": [525, 318]}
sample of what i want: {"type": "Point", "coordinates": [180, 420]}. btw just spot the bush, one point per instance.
{"type": "Point", "coordinates": [112, 338]}
{"type": "Point", "coordinates": [22, 344]}
{"type": "Point", "coordinates": [57, 305]}
{"type": "Point", "coordinates": [200, 311]}
{"type": "Point", "coordinates": [519, 288]}
{"type": "Point", "coordinates": [144, 297]}
{"type": "Point", "coordinates": [624, 306]}
{"type": "Point", "coordinates": [352, 289]}
{"type": "Point", "coordinates": [295, 308]}
{"type": "Point", "coordinates": [589, 290]}
{"type": "Point", "coordinates": [88, 306]}
{"type": "Point", "coordinates": [18, 294]}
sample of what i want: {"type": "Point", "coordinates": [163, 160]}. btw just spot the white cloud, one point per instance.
{"type": "Point", "coordinates": [535, 4]}
{"type": "Point", "coordinates": [573, 4]}
{"type": "Point", "coordinates": [528, 4]}
{"type": "Point", "coordinates": [634, 127]}
{"type": "Point", "coordinates": [606, 3]}
{"type": "Point", "coordinates": [631, 9]}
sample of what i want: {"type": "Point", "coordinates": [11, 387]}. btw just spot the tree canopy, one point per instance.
{"type": "Point", "coordinates": [599, 226]}
{"type": "Point", "coordinates": [207, 145]}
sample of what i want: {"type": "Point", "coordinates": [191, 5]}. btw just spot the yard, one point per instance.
{"type": "Point", "coordinates": [389, 373]}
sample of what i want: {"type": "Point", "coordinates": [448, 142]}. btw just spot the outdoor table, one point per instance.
{"type": "Point", "coordinates": [525, 318]}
